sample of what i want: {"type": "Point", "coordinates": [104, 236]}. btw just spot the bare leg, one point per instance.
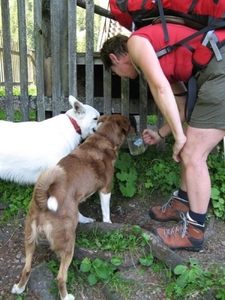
{"type": "Point", "coordinates": [194, 155]}
{"type": "Point", "coordinates": [183, 185]}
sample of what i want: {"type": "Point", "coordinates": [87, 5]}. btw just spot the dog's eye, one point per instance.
{"type": "Point", "coordinates": [95, 119]}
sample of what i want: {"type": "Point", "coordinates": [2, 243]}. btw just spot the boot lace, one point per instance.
{"type": "Point", "coordinates": [180, 228]}
{"type": "Point", "coordinates": [169, 203]}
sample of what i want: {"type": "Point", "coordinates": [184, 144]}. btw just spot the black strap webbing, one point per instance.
{"type": "Point", "coordinates": [163, 20]}
{"type": "Point", "coordinates": [193, 4]}
{"type": "Point", "coordinates": [170, 48]}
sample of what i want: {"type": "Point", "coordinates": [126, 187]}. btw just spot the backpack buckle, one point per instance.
{"type": "Point", "coordinates": [210, 40]}
{"type": "Point", "coordinates": [164, 51]}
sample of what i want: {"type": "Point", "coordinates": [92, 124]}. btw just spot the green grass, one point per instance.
{"type": "Point", "coordinates": [18, 115]}
{"type": "Point", "coordinates": [32, 91]}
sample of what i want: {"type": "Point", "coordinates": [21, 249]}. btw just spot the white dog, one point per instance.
{"type": "Point", "coordinates": [28, 148]}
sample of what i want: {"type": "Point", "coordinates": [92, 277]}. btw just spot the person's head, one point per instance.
{"type": "Point", "coordinates": [116, 45]}
{"type": "Point", "coordinates": [115, 57]}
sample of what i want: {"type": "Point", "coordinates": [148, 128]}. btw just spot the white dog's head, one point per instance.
{"type": "Point", "coordinates": [85, 115]}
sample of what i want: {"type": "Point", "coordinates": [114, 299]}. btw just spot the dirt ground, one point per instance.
{"type": "Point", "coordinates": [127, 211]}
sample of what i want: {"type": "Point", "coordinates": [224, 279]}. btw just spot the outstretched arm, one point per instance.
{"type": "Point", "coordinates": [143, 55]}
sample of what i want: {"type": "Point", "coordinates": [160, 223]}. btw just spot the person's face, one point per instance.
{"type": "Point", "coordinates": [122, 66]}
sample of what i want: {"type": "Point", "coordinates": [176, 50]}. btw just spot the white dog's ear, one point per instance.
{"type": "Point", "coordinates": [78, 107]}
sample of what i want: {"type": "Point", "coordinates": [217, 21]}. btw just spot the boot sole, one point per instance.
{"type": "Point", "coordinates": [194, 249]}
{"type": "Point", "coordinates": [152, 215]}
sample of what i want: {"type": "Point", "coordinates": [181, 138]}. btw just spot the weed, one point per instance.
{"type": "Point", "coordinates": [101, 271]}
{"type": "Point", "coordinates": [126, 174]}
{"type": "Point", "coordinates": [185, 282]}
{"type": "Point", "coordinates": [17, 197]}
{"type": "Point", "coordinates": [118, 241]}
{"type": "Point", "coordinates": [192, 282]}
{"type": "Point", "coordinates": [216, 164]}
{"type": "Point", "coordinates": [146, 173]}
{"type": "Point", "coordinates": [98, 270]}
{"type": "Point", "coordinates": [152, 119]}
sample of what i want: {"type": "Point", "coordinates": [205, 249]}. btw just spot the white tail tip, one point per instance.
{"type": "Point", "coordinates": [52, 203]}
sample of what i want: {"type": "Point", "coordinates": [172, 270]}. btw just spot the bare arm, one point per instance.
{"type": "Point", "coordinates": [151, 137]}
{"type": "Point", "coordinates": [143, 55]}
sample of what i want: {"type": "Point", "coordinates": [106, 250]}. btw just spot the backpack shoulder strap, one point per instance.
{"type": "Point", "coordinates": [182, 42]}
{"type": "Point", "coordinates": [163, 20]}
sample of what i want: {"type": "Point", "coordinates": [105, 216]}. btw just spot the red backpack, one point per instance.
{"type": "Point", "coordinates": [203, 15]}
{"type": "Point", "coordinates": [195, 13]}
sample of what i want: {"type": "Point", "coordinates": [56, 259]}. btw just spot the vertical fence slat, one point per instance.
{"type": "Point", "coordinates": [7, 59]}
{"type": "Point", "coordinates": [72, 47]}
{"type": "Point", "coordinates": [143, 103]}
{"type": "Point", "coordinates": [23, 60]}
{"type": "Point", "coordinates": [56, 59]}
{"type": "Point", "coordinates": [89, 67]}
{"type": "Point", "coordinates": [125, 96]}
{"type": "Point", "coordinates": [64, 68]}
{"type": "Point", "coordinates": [107, 92]}
{"type": "Point", "coordinates": [39, 59]}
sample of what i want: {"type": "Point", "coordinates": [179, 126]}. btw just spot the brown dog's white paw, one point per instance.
{"type": "Point", "coordinates": [68, 297]}
{"type": "Point", "coordinates": [84, 220]}
{"type": "Point", "coordinates": [107, 221]}
{"type": "Point", "coordinates": [17, 290]}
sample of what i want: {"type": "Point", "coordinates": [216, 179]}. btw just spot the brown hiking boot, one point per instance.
{"type": "Point", "coordinates": [170, 210]}
{"type": "Point", "coordinates": [188, 235]}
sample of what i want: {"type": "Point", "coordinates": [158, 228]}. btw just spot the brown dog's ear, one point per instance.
{"type": "Point", "coordinates": [125, 124]}
{"type": "Point", "coordinates": [102, 119]}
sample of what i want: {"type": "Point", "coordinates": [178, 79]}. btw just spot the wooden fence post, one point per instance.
{"type": "Point", "coordinates": [89, 66]}
{"type": "Point", "coordinates": [7, 60]}
{"type": "Point", "coordinates": [39, 58]}
{"type": "Point", "coordinates": [23, 60]}
{"type": "Point", "coordinates": [72, 47]}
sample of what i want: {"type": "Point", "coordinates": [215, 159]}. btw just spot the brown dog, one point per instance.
{"type": "Point", "coordinates": [58, 191]}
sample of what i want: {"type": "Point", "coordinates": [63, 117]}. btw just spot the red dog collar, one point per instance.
{"type": "Point", "coordinates": [75, 125]}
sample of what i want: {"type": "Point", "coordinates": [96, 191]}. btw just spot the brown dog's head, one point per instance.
{"type": "Point", "coordinates": [115, 127]}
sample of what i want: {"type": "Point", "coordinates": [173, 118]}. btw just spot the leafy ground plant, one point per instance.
{"type": "Point", "coordinates": [16, 198]}
{"type": "Point", "coordinates": [216, 164]}
{"type": "Point", "coordinates": [106, 272]}
{"type": "Point", "coordinates": [126, 173]}
{"type": "Point", "coordinates": [193, 282]}
{"type": "Point", "coordinates": [184, 282]}
{"type": "Point", "coordinates": [156, 171]}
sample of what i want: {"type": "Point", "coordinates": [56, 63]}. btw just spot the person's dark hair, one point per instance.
{"type": "Point", "coordinates": [116, 45]}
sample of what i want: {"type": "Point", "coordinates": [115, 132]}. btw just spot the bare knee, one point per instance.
{"type": "Point", "coordinates": [185, 156]}
{"type": "Point", "coordinates": [192, 159]}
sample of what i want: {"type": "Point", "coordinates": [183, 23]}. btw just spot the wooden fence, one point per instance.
{"type": "Point", "coordinates": [60, 71]}
{"type": "Point", "coordinates": [15, 57]}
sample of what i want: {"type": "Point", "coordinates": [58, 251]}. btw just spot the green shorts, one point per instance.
{"type": "Point", "coordinates": [209, 110]}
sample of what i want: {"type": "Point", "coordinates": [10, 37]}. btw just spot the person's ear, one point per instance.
{"type": "Point", "coordinates": [113, 58]}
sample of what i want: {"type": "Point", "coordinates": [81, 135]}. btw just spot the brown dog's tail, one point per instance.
{"type": "Point", "coordinates": [50, 189]}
